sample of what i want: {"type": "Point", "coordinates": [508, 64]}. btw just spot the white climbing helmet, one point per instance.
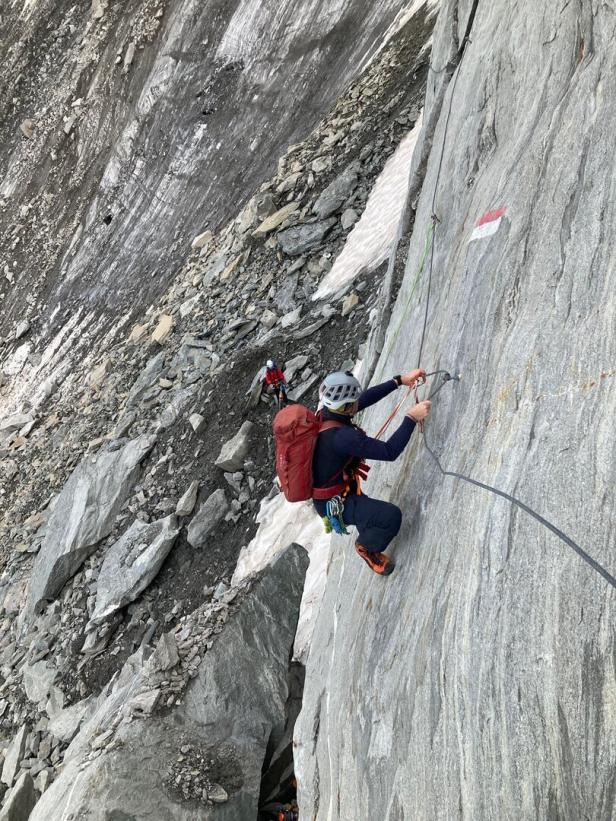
{"type": "Point", "coordinates": [339, 389]}
{"type": "Point", "coordinates": [269, 364]}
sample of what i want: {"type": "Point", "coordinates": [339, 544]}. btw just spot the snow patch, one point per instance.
{"type": "Point", "coordinates": [282, 523]}
{"type": "Point", "coordinates": [372, 238]}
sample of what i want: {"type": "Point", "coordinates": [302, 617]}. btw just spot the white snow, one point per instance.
{"type": "Point", "coordinates": [371, 240]}
{"type": "Point", "coordinates": [282, 523]}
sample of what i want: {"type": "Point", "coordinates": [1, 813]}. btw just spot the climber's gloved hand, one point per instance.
{"type": "Point", "coordinates": [410, 378]}
{"type": "Point", "coordinates": [419, 411]}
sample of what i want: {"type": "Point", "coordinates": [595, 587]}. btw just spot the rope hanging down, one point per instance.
{"type": "Point", "coordinates": [447, 377]}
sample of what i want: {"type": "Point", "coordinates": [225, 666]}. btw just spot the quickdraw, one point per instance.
{"type": "Point", "coordinates": [333, 521]}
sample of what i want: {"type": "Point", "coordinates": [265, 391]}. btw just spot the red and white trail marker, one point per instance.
{"type": "Point", "coordinates": [488, 224]}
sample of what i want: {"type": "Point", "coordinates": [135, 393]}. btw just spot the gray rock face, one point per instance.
{"type": "Point", "coordinates": [14, 755]}
{"type": "Point", "coordinates": [65, 725]}
{"type": "Point", "coordinates": [229, 711]}
{"type": "Point", "coordinates": [21, 800]}
{"type": "Point", "coordinates": [473, 682]}
{"type": "Point", "coordinates": [302, 238]}
{"type": "Point", "coordinates": [83, 515]}
{"type": "Point", "coordinates": [131, 564]}
{"type": "Point", "coordinates": [220, 144]}
{"type": "Point", "coordinates": [211, 512]}
{"type": "Point", "coordinates": [38, 680]}
{"type": "Point", "coordinates": [233, 453]}
{"type": "Point", "coordinates": [334, 196]}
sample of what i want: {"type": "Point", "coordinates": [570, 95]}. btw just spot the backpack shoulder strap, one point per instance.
{"type": "Point", "coordinates": [330, 424]}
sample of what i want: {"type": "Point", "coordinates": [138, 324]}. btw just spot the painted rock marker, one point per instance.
{"type": "Point", "coordinates": [488, 224]}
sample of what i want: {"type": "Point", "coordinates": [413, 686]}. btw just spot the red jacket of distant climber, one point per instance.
{"type": "Point", "coordinates": [274, 377]}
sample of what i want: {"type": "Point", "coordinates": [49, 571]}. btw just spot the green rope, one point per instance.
{"type": "Point", "coordinates": [426, 251]}
{"type": "Point", "coordinates": [424, 257]}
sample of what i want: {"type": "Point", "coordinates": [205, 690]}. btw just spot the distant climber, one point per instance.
{"type": "Point", "coordinates": [281, 812]}
{"type": "Point", "coordinates": [274, 378]}
{"type": "Point", "coordinates": [338, 463]}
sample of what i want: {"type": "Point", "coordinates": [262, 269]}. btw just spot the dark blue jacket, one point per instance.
{"type": "Point", "coordinates": [336, 446]}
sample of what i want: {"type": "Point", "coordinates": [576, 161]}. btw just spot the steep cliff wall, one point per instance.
{"type": "Point", "coordinates": [128, 128]}
{"type": "Point", "coordinates": [478, 681]}
{"type": "Point", "coordinates": [119, 525]}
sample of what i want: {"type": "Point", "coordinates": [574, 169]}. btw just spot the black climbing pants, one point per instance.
{"type": "Point", "coordinates": [377, 522]}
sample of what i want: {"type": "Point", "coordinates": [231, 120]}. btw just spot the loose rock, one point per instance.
{"type": "Point", "coordinates": [211, 512]}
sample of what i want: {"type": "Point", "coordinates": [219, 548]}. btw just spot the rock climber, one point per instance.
{"type": "Point", "coordinates": [274, 378]}
{"type": "Point", "coordinates": [338, 457]}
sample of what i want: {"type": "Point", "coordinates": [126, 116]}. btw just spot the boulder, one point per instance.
{"type": "Point", "coordinates": [294, 365]}
{"type": "Point", "coordinates": [303, 238]}
{"type": "Point", "coordinates": [349, 218]}
{"type": "Point", "coordinates": [27, 128]}
{"type": "Point", "coordinates": [98, 8]}
{"type": "Point", "coordinates": [258, 207]}
{"type": "Point", "coordinates": [289, 183]}
{"type": "Point", "coordinates": [83, 515]}
{"type": "Point", "coordinates": [163, 329]}
{"type": "Point", "coordinates": [17, 360]}
{"type": "Point", "coordinates": [193, 354]}
{"type": "Point", "coordinates": [233, 453]}
{"type": "Point", "coordinates": [268, 318]}
{"type": "Point", "coordinates": [186, 503]}
{"type": "Point", "coordinates": [276, 219]}
{"type": "Point", "coordinates": [296, 394]}
{"type": "Point", "coordinates": [211, 512]}
{"type": "Point", "coordinates": [20, 801]}
{"type": "Point", "coordinates": [38, 679]}
{"type": "Point", "coordinates": [292, 318]}
{"type": "Point", "coordinates": [350, 302]}
{"type": "Point", "coordinates": [197, 422]}
{"type": "Point", "coordinates": [146, 379]}
{"type": "Point", "coordinates": [174, 409]}
{"type": "Point", "coordinates": [22, 328]}
{"type": "Point", "coordinates": [231, 268]}
{"type": "Point", "coordinates": [166, 653]}
{"type": "Point", "coordinates": [138, 333]}
{"type": "Point", "coordinates": [131, 564]}
{"type": "Point", "coordinates": [14, 754]}
{"type": "Point", "coordinates": [334, 196]}
{"type": "Point", "coordinates": [234, 703]}
{"type": "Point", "coordinates": [65, 725]}
{"type": "Point", "coordinates": [284, 297]}
{"type": "Point", "coordinates": [97, 375]}
{"type": "Point", "coordinates": [14, 422]}
{"type": "Point", "coordinates": [201, 240]}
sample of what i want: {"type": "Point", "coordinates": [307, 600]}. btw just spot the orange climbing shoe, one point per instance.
{"type": "Point", "coordinates": [378, 562]}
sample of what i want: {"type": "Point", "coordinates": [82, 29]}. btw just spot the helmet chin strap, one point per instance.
{"type": "Point", "coordinates": [350, 409]}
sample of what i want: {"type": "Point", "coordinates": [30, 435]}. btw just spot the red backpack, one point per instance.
{"type": "Point", "coordinates": [296, 429]}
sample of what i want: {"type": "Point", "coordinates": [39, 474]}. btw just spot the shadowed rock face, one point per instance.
{"type": "Point", "coordinates": [227, 714]}
{"type": "Point", "coordinates": [147, 125]}
{"type": "Point", "coordinates": [477, 681]}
